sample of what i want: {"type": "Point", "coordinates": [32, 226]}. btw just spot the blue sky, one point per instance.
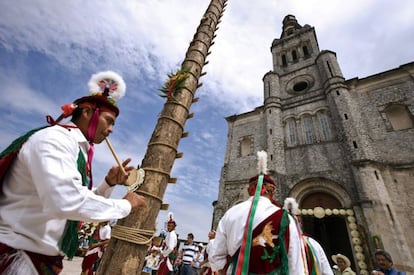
{"type": "Point", "coordinates": [49, 50]}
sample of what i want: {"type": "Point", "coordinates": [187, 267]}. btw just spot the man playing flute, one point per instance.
{"type": "Point", "coordinates": [48, 186]}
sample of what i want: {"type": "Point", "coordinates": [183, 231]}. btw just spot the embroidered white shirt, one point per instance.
{"type": "Point", "coordinates": [43, 189]}
{"type": "Point", "coordinates": [229, 234]}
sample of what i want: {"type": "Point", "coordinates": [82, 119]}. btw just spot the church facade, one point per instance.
{"type": "Point", "coordinates": [343, 148]}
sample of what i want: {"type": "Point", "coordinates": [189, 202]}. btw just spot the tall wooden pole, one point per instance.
{"type": "Point", "coordinates": [127, 249]}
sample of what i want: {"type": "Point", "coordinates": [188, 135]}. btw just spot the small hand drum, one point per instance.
{"type": "Point", "coordinates": [135, 179]}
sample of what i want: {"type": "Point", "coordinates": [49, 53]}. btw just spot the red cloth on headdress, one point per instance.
{"type": "Point", "coordinates": [266, 178]}
{"type": "Point", "coordinates": [97, 101]}
{"type": "Point", "coordinates": [253, 183]}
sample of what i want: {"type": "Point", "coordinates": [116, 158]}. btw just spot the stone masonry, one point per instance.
{"type": "Point", "coordinates": [343, 148]}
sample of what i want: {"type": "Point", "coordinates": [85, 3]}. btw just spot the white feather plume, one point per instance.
{"type": "Point", "coordinates": [262, 162]}
{"type": "Point", "coordinates": [170, 216]}
{"type": "Point", "coordinates": [96, 78]}
{"type": "Point", "coordinates": [291, 205]}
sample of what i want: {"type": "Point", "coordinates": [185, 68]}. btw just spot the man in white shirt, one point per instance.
{"type": "Point", "coordinates": [168, 251]}
{"type": "Point", "coordinates": [49, 184]}
{"type": "Point", "coordinates": [320, 260]}
{"type": "Point", "coordinates": [205, 265]}
{"type": "Point", "coordinates": [315, 259]}
{"type": "Point", "coordinates": [275, 242]}
{"type": "Point", "coordinates": [100, 238]}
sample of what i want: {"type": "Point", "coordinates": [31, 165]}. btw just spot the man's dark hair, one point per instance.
{"type": "Point", "coordinates": [76, 114]}
{"type": "Point", "coordinates": [385, 254]}
{"type": "Point", "coordinates": [191, 235]}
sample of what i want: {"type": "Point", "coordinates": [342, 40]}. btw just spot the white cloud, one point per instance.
{"type": "Point", "coordinates": [151, 37]}
{"type": "Point", "coordinates": [21, 98]}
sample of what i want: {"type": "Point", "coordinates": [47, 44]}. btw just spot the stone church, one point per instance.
{"type": "Point", "coordinates": [344, 148]}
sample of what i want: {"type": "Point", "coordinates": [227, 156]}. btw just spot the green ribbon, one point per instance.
{"type": "Point", "coordinates": [247, 243]}
{"type": "Point", "coordinates": [68, 243]}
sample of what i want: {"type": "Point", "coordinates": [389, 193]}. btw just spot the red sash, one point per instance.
{"type": "Point", "coordinates": [268, 253]}
{"type": "Point", "coordinates": [163, 269]}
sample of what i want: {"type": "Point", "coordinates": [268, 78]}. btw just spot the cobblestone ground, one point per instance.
{"type": "Point", "coordinates": [72, 267]}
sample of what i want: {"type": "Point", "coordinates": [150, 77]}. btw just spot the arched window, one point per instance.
{"type": "Point", "coordinates": [245, 146]}
{"type": "Point", "coordinates": [284, 61]}
{"type": "Point", "coordinates": [305, 51]}
{"type": "Point", "coordinates": [399, 117]}
{"type": "Point", "coordinates": [321, 199]}
{"type": "Point", "coordinates": [307, 129]}
{"type": "Point", "coordinates": [294, 56]}
{"type": "Point", "coordinates": [291, 139]}
{"type": "Point", "coordinates": [324, 125]}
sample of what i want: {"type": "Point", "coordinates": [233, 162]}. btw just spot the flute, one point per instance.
{"type": "Point", "coordinates": [115, 155]}
{"type": "Point", "coordinates": [133, 178]}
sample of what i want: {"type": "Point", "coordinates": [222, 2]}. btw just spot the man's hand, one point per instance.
{"type": "Point", "coordinates": [135, 200]}
{"type": "Point", "coordinates": [115, 175]}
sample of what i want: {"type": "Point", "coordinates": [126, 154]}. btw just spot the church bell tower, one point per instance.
{"type": "Point", "coordinates": [325, 137]}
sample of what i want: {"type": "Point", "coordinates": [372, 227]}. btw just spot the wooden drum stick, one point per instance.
{"type": "Point", "coordinates": [115, 156]}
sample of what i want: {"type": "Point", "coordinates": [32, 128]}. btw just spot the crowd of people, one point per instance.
{"type": "Point", "coordinates": [47, 189]}
{"type": "Point", "coordinates": [189, 258]}
{"type": "Point", "coordinates": [258, 236]}
{"type": "Point", "coordinates": [193, 258]}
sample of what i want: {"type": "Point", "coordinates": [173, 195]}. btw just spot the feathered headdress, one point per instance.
{"type": "Point", "coordinates": [262, 169]}
{"type": "Point", "coordinates": [171, 218]}
{"type": "Point", "coordinates": [108, 84]}
{"type": "Point", "coordinates": [262, 162]}
{"type": "Point", "coordinates": [105, 88]}
{"type": "Point", "coordinates": [291, 205]}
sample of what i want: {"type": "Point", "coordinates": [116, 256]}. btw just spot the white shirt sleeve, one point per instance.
{"type": "Point", "coordinates": [104, 189]}
{"type": "Point", "coordinates": [323, 262]}
{"type": "Point", "coordinates": [229, 233]}
{"type": "Point", "coordinates": [218, 250]}
{"type": "Point", "coordinates": [171, 243]}
{"type": "Point", "coordinates": [53, 166]}
{"type": "Point", "coordinates": [296, 265]}
{"type": "Point", "coordinates": [105, 232]}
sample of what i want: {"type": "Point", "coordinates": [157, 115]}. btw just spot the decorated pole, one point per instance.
{"type": "Point", "coordinates": [132, 235]}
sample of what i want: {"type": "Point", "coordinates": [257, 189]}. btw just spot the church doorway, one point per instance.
{"type": "Point", "coordinates": [331, 232]}
{"type": "Point", "coordinates": [327, 215]}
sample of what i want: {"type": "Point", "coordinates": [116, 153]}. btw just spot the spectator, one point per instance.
{"type": "Point", "coordinates": [205, 265]}
{"type": "Point", "coordinates": [168, 252]}
{"type": "Point", "coordinates": [189, 254]}
{"type": "Point", "coordinates": [198, 259]}
{"type": "Point", "coordinates": [178, 262]}
{"type": "Point", "coordinates": [152, 262]}
{"type": "Point", "coordinates": [344, 265]}
{"type": "Point", "coordinates": [385, 264]}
